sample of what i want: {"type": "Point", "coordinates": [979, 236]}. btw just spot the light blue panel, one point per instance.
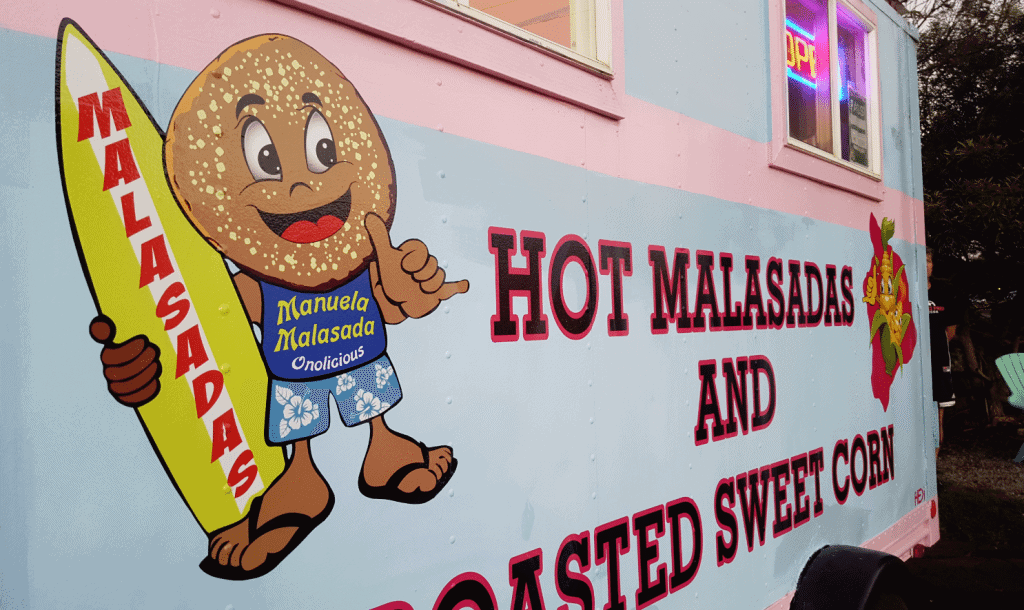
{"type": "Point", "coordinates": [52, 507]}
{"type": "Point", "coordinates": [553, 437]}
{"type": "Point", "coordinates": [901, 130]}
{"type": "Point", "coordinates": [641, 391]}
{"type": "Point", "coordinates": [705, 59]}
{"type": "Point", "coordinates": [916, 163]}
{"type": "Point", "coordinates": [17, 483]}
{"type": "Point", "coordinates": [630, 402]}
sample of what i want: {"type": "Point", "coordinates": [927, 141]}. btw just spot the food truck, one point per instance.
{"type": "Point", "coordinates": [611, 304]}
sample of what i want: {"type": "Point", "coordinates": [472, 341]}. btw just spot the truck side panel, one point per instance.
{"type": "Point", "coordinates": [599, 427]}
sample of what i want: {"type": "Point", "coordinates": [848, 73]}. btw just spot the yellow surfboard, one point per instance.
{"type": "Point", "coordinates": [153, 274]}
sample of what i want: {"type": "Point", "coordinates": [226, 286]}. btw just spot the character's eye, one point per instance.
{"type": "Point", "coordinates": [260, 153]}
{"type": "Point", "coordinates": [320, 151]}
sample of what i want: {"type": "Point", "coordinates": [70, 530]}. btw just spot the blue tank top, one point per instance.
{"type": "Point", "coordinates": [308, 335]}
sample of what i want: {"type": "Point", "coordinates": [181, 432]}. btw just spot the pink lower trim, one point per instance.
{"type": "Point", "coordinates": [916, 527]}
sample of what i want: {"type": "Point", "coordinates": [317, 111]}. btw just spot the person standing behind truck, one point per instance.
{"type": "Point", "coordinates": [942, 328]}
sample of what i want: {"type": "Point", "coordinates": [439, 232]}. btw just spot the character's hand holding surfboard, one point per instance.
{"type": "Point", "coordinates": [132, 368]}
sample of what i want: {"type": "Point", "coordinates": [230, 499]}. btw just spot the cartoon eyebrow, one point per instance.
{"type": "Point", "coordinates": [245, 100]}
{"type": "Point", "coordinates": [311, 98]}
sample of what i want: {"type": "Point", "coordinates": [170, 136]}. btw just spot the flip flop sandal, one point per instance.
{"type": "Point", "coordinates": [390, 490]}
{"type": "Point", "coordinates": [304, 524]}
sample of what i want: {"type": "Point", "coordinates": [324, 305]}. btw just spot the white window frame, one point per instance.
{"type": "Point", "coordinates": [793, 156]}
{"type": "Point", "coordinates": [524, 60]}
{"type": "Point", "coordinates": [590, 21]}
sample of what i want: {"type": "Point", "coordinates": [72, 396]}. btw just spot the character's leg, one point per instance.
{"type": "Point", "coordinates": [295, 503]}
{"type": "Point", "coordinates": [396, 467]}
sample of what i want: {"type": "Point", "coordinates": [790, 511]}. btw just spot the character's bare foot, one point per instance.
{"type": "Point", "coordinates": [278, 521]}
{"type": "Point", "coordinates": [399, 468]}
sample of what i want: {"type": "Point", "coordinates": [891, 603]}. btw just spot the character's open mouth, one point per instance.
{"type": "Point", "coordinates": [311, 225]}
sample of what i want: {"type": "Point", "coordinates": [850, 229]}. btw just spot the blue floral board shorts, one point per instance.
{"type": "Point", "coordinates": [298, 410]}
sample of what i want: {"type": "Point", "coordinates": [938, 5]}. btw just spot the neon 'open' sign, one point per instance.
{"type": "Point", "coordinates": [800, 61]}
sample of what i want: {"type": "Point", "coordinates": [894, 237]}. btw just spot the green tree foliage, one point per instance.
{"type": "Point", "coordinates": [971, 71]}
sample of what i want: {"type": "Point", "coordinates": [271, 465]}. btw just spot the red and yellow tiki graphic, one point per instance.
{"type": "Point", "coordinates": [886, 293]}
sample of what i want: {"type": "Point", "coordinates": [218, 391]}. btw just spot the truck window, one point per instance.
{"type": "Point", "coordinates": [829, 55]}
{"type": "Point", "coordinates": [578, 30]}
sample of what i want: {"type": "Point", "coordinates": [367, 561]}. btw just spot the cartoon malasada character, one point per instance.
{"type": "Point", "coordinates": [277, 161]}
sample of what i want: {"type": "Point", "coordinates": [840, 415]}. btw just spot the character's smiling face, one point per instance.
{"type": "Point", "coordinates": [275, 158]}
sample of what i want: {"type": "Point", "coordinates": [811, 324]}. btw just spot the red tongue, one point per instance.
{"type": "Point", "coordinates": [305, 232]}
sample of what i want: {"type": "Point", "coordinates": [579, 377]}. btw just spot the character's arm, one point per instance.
{"type": "Point", "coordinates": [408, 277]}
{"type": "Point", "coordinates": [870, 291]}
{"type": "Point", "coordinates": [252, 299]}
{"type": "Point", "coordinates": [391, 312]}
